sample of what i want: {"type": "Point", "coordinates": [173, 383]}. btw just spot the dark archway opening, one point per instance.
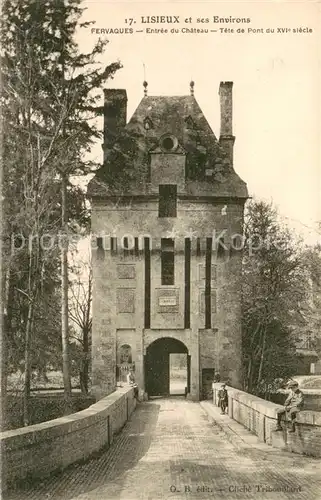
{"type": "Point", "coordinates": [158, 367]}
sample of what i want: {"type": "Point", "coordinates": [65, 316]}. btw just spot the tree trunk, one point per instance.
{"type": "Point", "coordinates": [4, 375]}
{"type": "Point", "coordinates": [86, 332]}
{"type": "Point", "coordinates": [4, 357]}
{"type": "Point", "coordinates": [6, 328]}
{"type": "Point", "coordinates": [249, 374]}
{"type": "Point", "coordinates": [262, 358]}
{"type": "Point", "coordinates": [27, 374]}
{"type": "Point", "coordinates": [85, 361]}
{"type": "Point", "coordinates": [64, 298]}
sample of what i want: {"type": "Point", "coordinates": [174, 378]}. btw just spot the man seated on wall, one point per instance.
{"type": "Point", "coordinates": [293, 404]}
{"type": "Point", "coordinates": [131, 381]}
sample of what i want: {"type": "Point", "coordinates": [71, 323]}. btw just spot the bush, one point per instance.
{"type": "Point", "coordinates": [43, 407]}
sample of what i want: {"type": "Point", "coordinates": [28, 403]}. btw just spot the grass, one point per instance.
{"type": "Point", "coordinates": [55, 381]}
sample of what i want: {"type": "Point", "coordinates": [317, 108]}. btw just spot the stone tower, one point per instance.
{"type": "Point", "coordinates": [166, 208]}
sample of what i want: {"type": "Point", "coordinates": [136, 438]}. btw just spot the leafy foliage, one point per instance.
{"type": "Point", "coordinates": [274, 286]}
{"type": "Point", "coordinates": [50, 98]}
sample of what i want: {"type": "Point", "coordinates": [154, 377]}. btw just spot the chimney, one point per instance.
{"type": "Point", "coordinates": [226, 135]}
{"type": "Point", "coordinates": [115, 115]}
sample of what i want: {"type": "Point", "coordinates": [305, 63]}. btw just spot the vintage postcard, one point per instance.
{"type": "Point", "coordinates": [161, 250]}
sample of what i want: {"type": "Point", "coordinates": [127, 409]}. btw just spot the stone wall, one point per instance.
{"type": "Point", "coordinates": [39, 450]}
{"type": "Point", "coordinates": [43, 407]}
{"type": "Point", "coordinates": [259, 416]}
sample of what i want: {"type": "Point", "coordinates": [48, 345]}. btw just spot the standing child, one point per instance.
{"type": "Point", "coordinates": [223, 399]}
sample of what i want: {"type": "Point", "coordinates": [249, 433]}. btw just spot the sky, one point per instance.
{"type": "Point", "coordinates": [276, 91]}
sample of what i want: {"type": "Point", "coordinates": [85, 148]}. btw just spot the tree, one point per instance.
{"type": "Point", "coordinates": [80, 313]}
{"type": "Point", "coordinates": [308, 326]}
{"type": "Point", "coordinates": [274, 285]}
{"type": "Point", "coordinates": [32, 205]}
{"type": "Point", "coordinates": [50, 101]}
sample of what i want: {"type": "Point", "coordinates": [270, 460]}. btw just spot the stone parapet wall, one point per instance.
{"type": "Point", "coordinates": [39, 450]}
{"type": "Point", "coordinates": [260, 417]}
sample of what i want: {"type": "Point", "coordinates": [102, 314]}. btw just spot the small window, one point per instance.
{"type": "Point", "coordinates": [126, 248]}
{"type": "Point", "coordinates": [148, 124]}
{"type": "Point", "coordinates": [167, 200]}
{"type": "Point", "coordinates": [113, 245]}
{"type": "Point", "coordinates": [100, 248]}
{"type": "Point", "coordinates": [136, 246]}
{"type": "Point", "coordinates": [189, 122]}
{"type": "Point", "coordinates": [198, 247]}
{"type": "Point", "coordinates": [167, 261]}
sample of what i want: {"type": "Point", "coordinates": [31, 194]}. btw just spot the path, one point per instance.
{"type": "Point", "coordinates": [170, 450]}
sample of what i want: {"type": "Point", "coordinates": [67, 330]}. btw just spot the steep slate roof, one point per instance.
{"type": "Point", "coordinates": [127, 167]}
{"type": "Point", "coordinates": [168, 114]}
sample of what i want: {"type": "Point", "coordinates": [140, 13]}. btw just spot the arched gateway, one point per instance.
{"type": "Point", "coordinates": [157, 365]}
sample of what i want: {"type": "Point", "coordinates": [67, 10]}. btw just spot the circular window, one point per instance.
{"type": "Point", "coordinates": [169, 143]}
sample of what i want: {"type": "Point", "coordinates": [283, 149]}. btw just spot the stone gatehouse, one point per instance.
{"type": "Point", "coordinates": [167, 206]}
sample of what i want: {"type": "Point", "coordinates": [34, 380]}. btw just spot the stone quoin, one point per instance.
{"type": "Point", "coordinates": [165, 175]}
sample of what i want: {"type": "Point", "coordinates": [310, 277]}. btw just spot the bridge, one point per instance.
{"type": "Point", "coordinates": [177, 449]}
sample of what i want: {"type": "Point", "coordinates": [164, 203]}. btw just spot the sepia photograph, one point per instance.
{"type": "Point", "coordinates": [160, 250]}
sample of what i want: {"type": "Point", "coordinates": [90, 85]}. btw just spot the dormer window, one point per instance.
{"type": "Point", "coordinates": [190, 122]}
{"type": "Point", "coordinates": [148, 123]}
